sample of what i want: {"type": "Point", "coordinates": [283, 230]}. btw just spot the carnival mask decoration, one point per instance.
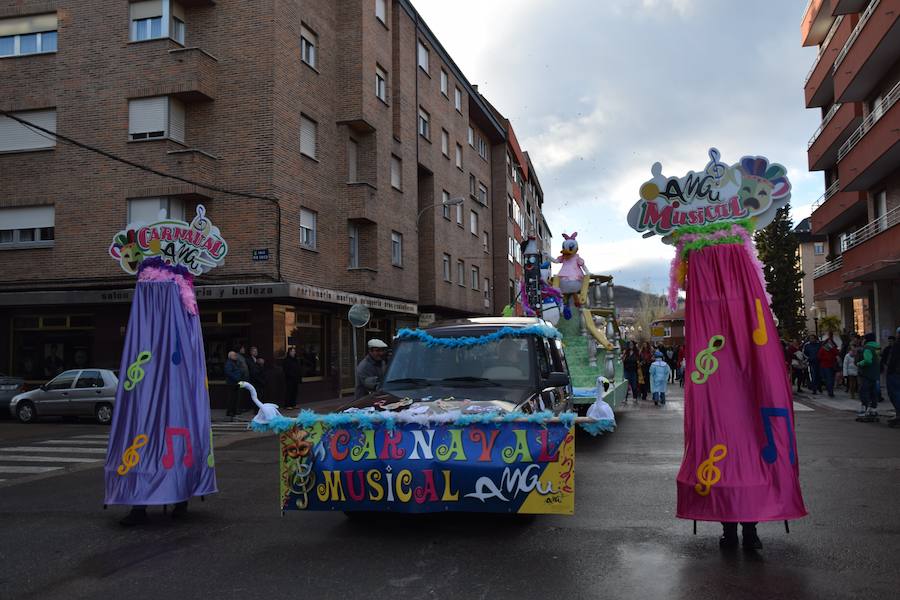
{"type": "Point", "coordinates": [761, 184]}
{"type": "Point", "coordinates": [126, 250]}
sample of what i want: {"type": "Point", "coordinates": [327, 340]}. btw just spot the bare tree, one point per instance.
{"type": "Point", "coordinates": [651, 307]}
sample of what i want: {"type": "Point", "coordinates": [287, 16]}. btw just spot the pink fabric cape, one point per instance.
{"type": "Point", "coordinates": [745, 404]}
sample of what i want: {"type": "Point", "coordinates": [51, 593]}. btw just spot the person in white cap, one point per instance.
{"type": "Point", "coordinates": [371, 369]}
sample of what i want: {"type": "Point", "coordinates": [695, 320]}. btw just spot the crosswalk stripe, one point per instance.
{"type": "Point", "coordinates": [91, 437]}
{"type": "Point", "coordinates": [801, 407]}
{"type": "Point", "coordinates": [54, 449]}
{"type": "Point", "coordinates": [84, 442]}
{"type": "Point", "coordinates": [27, 470]}
{"type": "Point", "coordinates": [62, 459]}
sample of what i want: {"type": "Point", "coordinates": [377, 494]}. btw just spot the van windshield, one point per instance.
{"type": "Point", "coordinates": [504, 362]}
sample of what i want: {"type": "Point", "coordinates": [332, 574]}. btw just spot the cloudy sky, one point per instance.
{"type": "Point", "coordinates": [598, 91]}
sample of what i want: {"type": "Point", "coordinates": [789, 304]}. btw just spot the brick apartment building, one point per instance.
{"type": "Point", "coordinates": [855, 83]}
{"type": "Point", "coordinates": [370, 150]}
{"type": "Point", "coordinates": [810, 256]}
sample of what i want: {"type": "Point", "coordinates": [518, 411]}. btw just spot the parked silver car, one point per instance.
{"type": "Point", "coordinates": [79, 392]}
{"type": "Point", "coordinates": [9, 387]}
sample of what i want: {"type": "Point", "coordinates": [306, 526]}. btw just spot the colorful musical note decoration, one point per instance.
{"type": "Point", "coordinates": [176, 354]}
{"type": "Point", "coordinates": [130, 458]}
{"type": "Point", "coordinates": [210, 460]}
{"type": "Point", "coordinates": [760, 335]}
{"type": "Point", "coordinates": [168, 459]}
{"type": "Point", "coordinates": [708, 474]}
{"type": "Point", "coordinates": [770, 450]}
{"type": "Point", "coordinates": [706, 363]}
{"type": "Point", "coordinates": [135, 373]}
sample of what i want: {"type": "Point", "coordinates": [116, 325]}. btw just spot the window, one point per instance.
{"type": "Point", "coordinates": [424, 124]}
{"type": "Point", "coordinates": [443, 82]}
{"type": "Point", "coordinates": [473, 190]}
{"type": "Point", "coordinates": [154, 19]}
{"type": "Point", "coordinates": [509, 206]}
{"type": "Point", "coordinates": [457, 99]}
{"type": "Point", "coordinates": [482, 148]}
{"type": "Point", "coordinates": [90, 379]}
{"type": "Point", "coordinates": [381, 10]}
{"type": "Point", "coordinates": [485, 242]}
{"type": "Point", "coordinates": [309, 43]}
{"type": "Point", "coordinates": [446, 267]}
{"type": "Point", "coordinates": [381, 83]}
{"type": "Point", "coordinates": [147, 210]}
{"type": "Point", "coordinates": [445, 209]}
{"type": "Point", "coordinates": [482, 193]}
{"type": "Point", "coordinates": [459, 215]}
{"type": "Point", "coordinates": [308, 229]}
{"type": "Point", "coordinates": [473, 222]}
{"type": "Point", "coordinates": [156, 117]}
{"type": "Point", "coordinates": [512, 292]}
{"type": "Point", "coordinates": [487, 288]}
{"type": "Point", "coordinates": [461, 273]}
{"type": "Point", "coordinates": [445, 143]}
{"type": "Point", "coordinates": [459, 157]}
{"type": "Point", "coordinates": [510, 249]}
{"type": "Point", "coordinates": [819, 248]}
{"type": "Point", "coordinates": [308, 136]}
{"type": "Point", "coordinates": [396, 173]}
{"type": "Point", "coordinates": [423, 57]}
{"type": "Point", "coordinates": [353, 245]}
{"type": "Point", "coordinates": [471, 137]}
{"type": "Point", "coordinates": [35, 34]}
{"type": "Point", "coordinates": [63, 381]}
{"type": "Point", "coordinates": [475, 278]}
{"type": "Point", "coordinates": [352, 161]}
{"type": "Point", "coordinates": [396, 249]}
{"type": "Point", "coordinates": [27, 226]}
{"type": "Point", "coordinates": [15, 136]}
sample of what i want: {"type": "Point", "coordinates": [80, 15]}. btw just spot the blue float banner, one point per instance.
{"type": "Point", "coordinates": [512, 467]}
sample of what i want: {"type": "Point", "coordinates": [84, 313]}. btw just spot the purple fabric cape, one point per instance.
{"type": "Point", "coordinates": [744, 405]}
{"type": "Point", "coordinates": [163, 420]}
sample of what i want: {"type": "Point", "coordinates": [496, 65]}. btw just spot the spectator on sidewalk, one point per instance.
{"type": "Point", "coordinates": [372, 368]}
{"type": "Point", "coordinates": [291, 367]}
{"type": "Point", "coordinates": [630, 366]}
{"type": "Point", "coordinates": [828, 358]}
{"type": "Point", "coordinates": [892, 375]}
{"type": "Point", "coordinates": [869, 374]}
{"type": "Point", "coordinates": [811, 350]}
{"type": "Point", "coordinates": [850, 370]}
{"type": "Point", "coordinates": [232, 377]}
{"type": "Point", "coordinates": [799, 368]}
{"type": "Point", "coordinates": [659, 377]}
{"type": "Point", "coordinates": [256, 366]}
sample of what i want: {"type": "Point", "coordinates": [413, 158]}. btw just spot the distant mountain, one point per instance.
{"type": "Point", "coordinates": [629, 298]}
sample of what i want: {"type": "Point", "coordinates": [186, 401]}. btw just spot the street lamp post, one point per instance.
{"type": "Point", "coordinates": [814, 311]}
{"type": "Point", "coordinates": [448, 202]}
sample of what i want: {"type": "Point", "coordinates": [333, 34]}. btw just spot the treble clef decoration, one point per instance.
{"type": "Point", "coordinates": [715, 168]}
{"type": "Point", "coordinates": [706, 363]}
{"type": "Point", "coordinates": [135, 373]}
{"type": "Point", "coordinates": [708, 474]}
{"type": "Point", "coordinates": [130, 458]}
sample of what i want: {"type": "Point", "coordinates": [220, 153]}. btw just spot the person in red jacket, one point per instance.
{"type": "Point", "coordinates": [828, 356]}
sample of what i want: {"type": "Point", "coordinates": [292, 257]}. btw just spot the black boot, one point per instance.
{"type": "Point", "coordinates": [180, 510]}
{"type": "Point", "coordinates": [751, 541]}
{"type": "Point", "coordinates": [729, 537]}
{"type": "Point", "coordinates": [137, 516]}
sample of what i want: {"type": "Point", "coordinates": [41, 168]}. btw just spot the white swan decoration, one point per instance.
{"type": "Point", "coordinates": [267, 412]}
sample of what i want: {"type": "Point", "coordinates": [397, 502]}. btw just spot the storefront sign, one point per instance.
{"type": "Point", "coordinates": [751, 188]}
{"type": "Point", "coordinates": [197, 246]}
{"type": "Point", "coordinates": [260, 254]}
{"type": "Point", "coordinates": [481, 467]}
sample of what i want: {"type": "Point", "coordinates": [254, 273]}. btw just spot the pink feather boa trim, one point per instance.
{"type": "Point", "coordinates": [185, 285]}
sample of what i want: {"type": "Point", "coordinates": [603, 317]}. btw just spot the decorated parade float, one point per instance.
{"type": "Point", "coordinates": [741, 461]}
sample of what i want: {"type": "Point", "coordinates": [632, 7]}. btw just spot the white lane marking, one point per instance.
{"type": "Point", "coordinates": [5, 469]}
{"type": "Point", "coordinates": [63, 459]}
{"type": "Point", "coordinates": [54, 449]}
{"type": "Point", "coordinates": [802, 407]}
{"type": "Point", "coordinates": [84, 442]}
{"type": "Point", "coordinates": [91, 437]}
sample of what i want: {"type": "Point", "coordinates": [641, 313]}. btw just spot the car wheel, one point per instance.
{"type": "Point", "coordinates": [25, 412]}
{"type": "Point", "coordinates": [103, 413]}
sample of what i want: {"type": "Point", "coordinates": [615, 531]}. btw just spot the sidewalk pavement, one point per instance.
{"type": "Point", "coordinates": [842, 401]}
{"type": "Point", "coordinates": [217, 415]}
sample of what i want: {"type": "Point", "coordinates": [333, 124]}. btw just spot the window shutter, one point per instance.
{"type": "Point", "coordinates": [145, 210]}
{"type": "Point", "coordinates": [16, 136]}
{"type": "Point", "coordinates": [352, 161]}
{"type": "Point", "coordinates": [176, 120]}
{"type": "Point", "coordinates": [396, 179]}
{"type": "Point", "coordinates": [28, 217]}
{"type": "Point", "coordinates": [147, 114]}
{"type": "Point", "coordinates": [380, 9]}
{"type": "Point", "coordinates": [146, 9]}
{"type": "Point", "coordinates": [307, 219]}
{"type": "Point", "coordinates": [25, 25]}
{"type": "Point", "coordinates": [307, 136]}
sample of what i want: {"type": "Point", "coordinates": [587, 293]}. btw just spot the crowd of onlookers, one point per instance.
{"type": "Point", "coordinates": [856, 364]}
{"type": "Point", "coordinates": [251, 367]}
{"type": "Point", "coordinates": [637, 361]}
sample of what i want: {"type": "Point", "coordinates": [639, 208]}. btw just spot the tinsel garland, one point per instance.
{"type": "Point", "coordinates": [545, 331]}
{"type": "Point", "coordinates": [154, 269]}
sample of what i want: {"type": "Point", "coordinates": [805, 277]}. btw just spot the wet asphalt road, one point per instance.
{"type": "Point", "coordinates": [623, 542]}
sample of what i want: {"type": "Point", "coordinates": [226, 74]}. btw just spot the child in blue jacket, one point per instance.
{"type": "Point", "coordinates": [659, 377]}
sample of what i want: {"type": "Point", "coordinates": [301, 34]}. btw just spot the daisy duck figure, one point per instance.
{"type": "Point", "coordinates": [571, 274]}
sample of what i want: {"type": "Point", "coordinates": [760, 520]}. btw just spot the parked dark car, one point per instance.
{"type": "Point", "coordinates": [9, 387]}
{"type": "Point", "coordinates": [527, 373]}
{"type": "Point", "coordinates": [79, 392]}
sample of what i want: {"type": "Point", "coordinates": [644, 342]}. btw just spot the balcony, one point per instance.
{"type": "Point", "coordinates": [176, 159]}
{"type": "Point", "coordinates": [163, 68]}
{"type": "Point", "coordinates": [817, 20]}
{"type": "Point", "coordinates": [873, 251]}
{"type": "Point", "coordinates": [836, 127]}
{"type": "Point", "coordinates": [362, 202]}
{"type": "Point", "coordinates": [836, 209]}
{"type": "Point", "coordinates": [869, 53]}
{"type": "Point", "coordinates": [872, 152]}
{"type": "Point", "coordinates": [829, 267]}
{"type": "Point", "coordinates": [819, 85]}
{"type": "Point", "coordinates": [846, 7]}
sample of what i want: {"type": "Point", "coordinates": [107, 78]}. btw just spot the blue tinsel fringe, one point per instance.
{"type": "Point", "coordinates": [546, 331]}
{"type": "Point", "coordinates": [598, 427]}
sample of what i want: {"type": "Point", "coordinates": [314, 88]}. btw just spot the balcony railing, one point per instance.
{"type": "Point", "coordinates": [832, 265]}
{"type": "Point", "coordinates": [886, 221]}
{"type": "Point", "coordinates": [878, 111]}
{"type": "Point", "coordinates": [831, 191]}
{"type": "Point", "coordinates": [831, 111]}
{"type": "Point", "coordinates": [855, 33]}
{"type": "Point", "coordinates": [823, 47]}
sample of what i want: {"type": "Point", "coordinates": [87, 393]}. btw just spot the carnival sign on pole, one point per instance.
{"type": "Point", "coordinates": [751, 188]}
{"type": "Point", "coordinates": [197, 246]}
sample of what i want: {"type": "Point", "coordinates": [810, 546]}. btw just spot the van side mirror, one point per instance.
{"type": "Point", "coordinates": [556, 379]}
